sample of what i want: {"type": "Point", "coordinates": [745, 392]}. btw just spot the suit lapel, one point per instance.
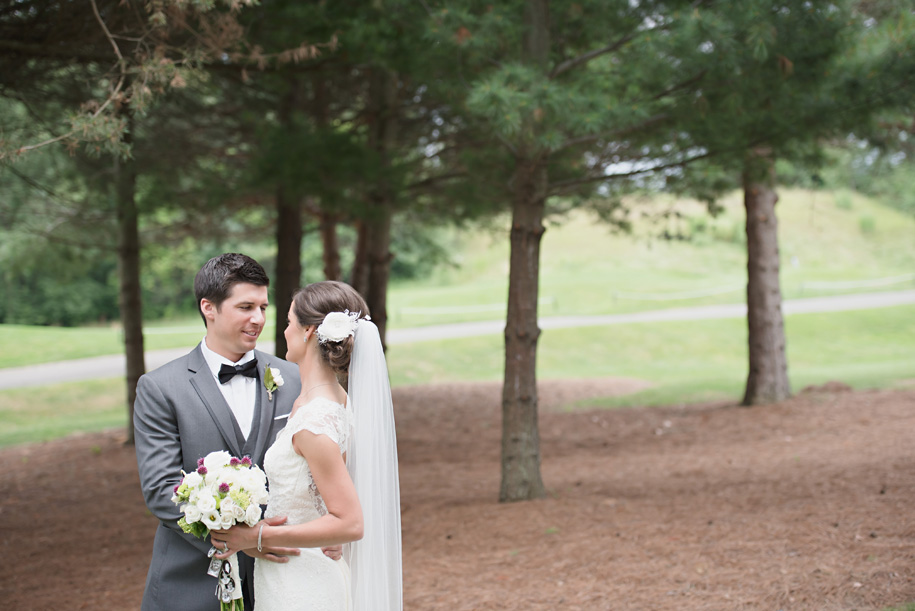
{"type": "Point", "coordinates": [205, 385]}
{"type": "Point", "coordinates": [268, 407]}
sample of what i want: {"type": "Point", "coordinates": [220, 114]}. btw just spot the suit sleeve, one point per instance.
{"type": "Point", "coordinates": [159, 455]}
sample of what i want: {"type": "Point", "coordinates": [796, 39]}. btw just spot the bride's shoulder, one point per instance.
{"type": "Point", "coordinates": [316, 406]}
{"type": "Point", "coordinates": [322, 416]}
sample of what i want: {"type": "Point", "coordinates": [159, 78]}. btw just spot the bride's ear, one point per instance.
{"type": "Point", "coordinates": [309, 331]}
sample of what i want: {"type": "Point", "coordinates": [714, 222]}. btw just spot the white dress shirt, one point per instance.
{"type": "Point", "coordinates": [240, 392]}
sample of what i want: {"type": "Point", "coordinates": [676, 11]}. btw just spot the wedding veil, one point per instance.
{"type": "Point", "coordinates": [371, 458]}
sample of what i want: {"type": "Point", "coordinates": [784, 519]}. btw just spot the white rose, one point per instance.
{"type": "Point", "coordinates": [192, 513]}
{"type": "Point", "coordinates": [214, 461]}
{"type": "Point", "coordinates": [277, 376]}
{"type": "Point", "coordinates": [206, 503]}
{"type": "Point", "coordinates": [226, 521]}
{"type": "Point", "coordinates": [232, 477]}
{"type": "Point", "coordinates": [238, 512]}
{"type": "Point", "coordinates": [193, 479]}
{"type": "Point", "coordinates": [253, 514]}
{"type": "Point", "coordinates": [337, 326]}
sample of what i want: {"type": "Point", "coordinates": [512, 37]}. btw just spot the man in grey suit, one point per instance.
{"type": "Point", "coordinates": [211, 399]}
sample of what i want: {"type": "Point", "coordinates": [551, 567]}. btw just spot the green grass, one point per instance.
{"type": "Point", "coordinates": [48, 412]}
{"type": "Point", "coordinates": [27, 345]}
{"type": "Point", "coordinates": [686, 362]}
{"type": "Point", "coordinates": [587, 270]}
{"type": "Point", "coordinates": [584, 270]}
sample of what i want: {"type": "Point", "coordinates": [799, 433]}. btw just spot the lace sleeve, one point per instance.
{"type": "Point", "coordinates": [323, 417]}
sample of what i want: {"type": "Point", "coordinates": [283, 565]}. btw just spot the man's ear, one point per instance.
{"type": "Point", "coordinates": [209, 309]}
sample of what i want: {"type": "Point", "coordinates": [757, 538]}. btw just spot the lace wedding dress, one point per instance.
{"type": "Point", "coordinates": [311, 581]}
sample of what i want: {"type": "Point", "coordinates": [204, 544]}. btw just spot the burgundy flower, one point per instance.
{"type": "Point", "coordinates": [224, 488]}
{"type": "Point", "coordinates": [176, 488]}
{"type": "Point", "coordinates": [246, 461]}
{"type": "Point", "coordinates": [202, 470]}
{"type": "Point", "coordinates": [199, 462]}
{"type": "Point", "coordinates": [234, 462]}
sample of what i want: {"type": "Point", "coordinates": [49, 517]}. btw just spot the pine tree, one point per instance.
{"type": "Point", "coordinates": [566, 91]}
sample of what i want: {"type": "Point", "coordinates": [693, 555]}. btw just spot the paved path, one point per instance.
{"type": "Point", "coordinates": [112, 366]}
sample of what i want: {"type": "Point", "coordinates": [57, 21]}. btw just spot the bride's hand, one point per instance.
{"type": "Point", "coordinates": [246, 538]}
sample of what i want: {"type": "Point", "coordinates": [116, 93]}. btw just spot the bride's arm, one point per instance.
{"type": "Point", "coordinates": [341, 524]}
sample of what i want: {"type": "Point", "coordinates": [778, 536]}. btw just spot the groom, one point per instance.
{"type": "Point", "coordinates": [211, 399]}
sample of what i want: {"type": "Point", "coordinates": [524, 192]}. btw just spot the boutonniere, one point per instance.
{"type": "Point", "coordinates": [273, 379]}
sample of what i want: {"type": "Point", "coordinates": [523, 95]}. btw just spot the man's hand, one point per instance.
{"type": "Point", "coordinates": [274, 554]}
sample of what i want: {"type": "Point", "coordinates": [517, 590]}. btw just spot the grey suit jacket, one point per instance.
{"type": "Point", "coordinates": [180, 415]}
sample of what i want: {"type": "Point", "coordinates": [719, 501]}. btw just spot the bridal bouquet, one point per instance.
{"type": "Point", "coordinates": [222, 492]}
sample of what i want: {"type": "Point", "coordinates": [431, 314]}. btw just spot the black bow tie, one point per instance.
{"type": "Point", "coordinates": [227, 372]}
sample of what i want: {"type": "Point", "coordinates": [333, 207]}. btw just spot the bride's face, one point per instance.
{"type": "Point", "coordinates": [295, 338]}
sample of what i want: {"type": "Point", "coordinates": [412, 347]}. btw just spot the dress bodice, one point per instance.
{"type": "Point", "coordinates": [293, 492]}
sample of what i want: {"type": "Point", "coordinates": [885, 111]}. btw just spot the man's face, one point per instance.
{"type": "Point", "coordinates": [233, 327]}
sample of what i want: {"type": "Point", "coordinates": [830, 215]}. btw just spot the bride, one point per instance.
{"type": "Point", "coordinates": [332, 469]}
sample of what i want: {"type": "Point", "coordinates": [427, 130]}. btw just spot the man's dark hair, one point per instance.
{"type": "Point", "coordinates": [216, 278]}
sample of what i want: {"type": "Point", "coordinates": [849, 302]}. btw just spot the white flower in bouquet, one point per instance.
{"type": "Point", "coordinates": [206, 502]}
{"type": "Point", "coordinates": [227, 521]}
{"type": "Point", "coordinates": [211, 520]}
{"type": "Point", "coordinates": [214, 461]}
{"type": "Point", "coordinates": [222, 492]}
{"type": "Point", "coordinates": [252, 515]}
{"type": "Point", "coordinates": [192, 513]}
{"type": "Point", "coordinates": [193, 479]}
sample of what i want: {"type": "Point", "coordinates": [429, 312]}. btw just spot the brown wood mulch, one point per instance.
{"type": "Point", "coordinates": [806, 504]}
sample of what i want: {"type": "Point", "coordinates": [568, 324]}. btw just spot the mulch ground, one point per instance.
{"type": "Point", "coordinates": [806, 504]}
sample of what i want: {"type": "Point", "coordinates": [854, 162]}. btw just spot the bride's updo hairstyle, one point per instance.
{"type": "Point", "coordinates": [312, 303]}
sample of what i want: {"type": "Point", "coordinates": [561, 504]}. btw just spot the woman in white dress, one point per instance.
{"type": "Point", "coordinates": [333, 468]}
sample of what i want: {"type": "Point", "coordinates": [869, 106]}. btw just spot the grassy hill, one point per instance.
{"type": "Point", "coordinates": [586, 269]}
{"type": "Point", "coordinates": [825, 237]}
{"type": "Point", "coordinates": [831, 243]}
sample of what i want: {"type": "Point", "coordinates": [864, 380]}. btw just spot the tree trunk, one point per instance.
{"type": "Point", "coordinates": [288, 274]}
{"type": "Point", "coordinates": [377, 221]}
{"type": "Point", "coordinates": [330, 247]}
{"type": "Point", "coordinates": [130, 298]}
{"type": "Point", "coordinates": [359, 277]}
{"type": "Point", "coordinates": [327, 222]}
{"type": "Point", "coordinates": [767, 381]}
{"type": "Point", "coordinates": [379, 256]}
{"type": "Point", "coordinates": [520, 431]}
{"type": "Point", "coordinates": [521, 478]}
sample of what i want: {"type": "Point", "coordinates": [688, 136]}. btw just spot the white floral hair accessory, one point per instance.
{"type": "Point", "coordinates": [337, 326]}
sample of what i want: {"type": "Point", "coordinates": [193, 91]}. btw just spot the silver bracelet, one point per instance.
{"type": "Point", "coordinates": [260, 534]}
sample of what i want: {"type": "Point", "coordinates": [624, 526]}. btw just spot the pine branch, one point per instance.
{"type": "Point", "coordinates": [40, 187]}
{"type": "Point", "coordinates": [613, 134]}
{"type": "Point", "coordinates": [563, 186]}
{"type": "Point", "coordinates": [434, 181]}
{"type": "Point", "coordinates": [51, 51]}
{"type": "Point", "coordinates": [586, 57]}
